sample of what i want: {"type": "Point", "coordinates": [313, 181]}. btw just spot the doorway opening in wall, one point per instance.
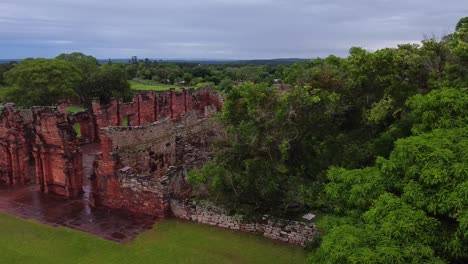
{"type": "Point", "coordinates": [32, 170]}
{"type": "Point", "coordinates": [125, 121]}
{"type": "Point", "coordinates": [77, 128]}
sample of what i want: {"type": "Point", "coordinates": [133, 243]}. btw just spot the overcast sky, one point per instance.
{"type": "Point", "coordinates": [237, 29]}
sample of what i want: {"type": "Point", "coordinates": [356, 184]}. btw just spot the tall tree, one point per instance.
{"type": "Point", "coordinates": [4, 67]}
{"type": "Point", "coordinates": [411, 207]}
{"type": "Point", "coordinates": [42, 81]}
{"type": "Point", "coordinates": [85, 63]}
{"type": "Point", "coordinates": [106, 82]}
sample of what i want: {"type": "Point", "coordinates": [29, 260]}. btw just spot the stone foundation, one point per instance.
{"type": "Point", "coordinates": [293, 232]}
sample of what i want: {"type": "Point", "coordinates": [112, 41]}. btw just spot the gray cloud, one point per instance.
{"type": "Point", "coordinates": [217, 28]}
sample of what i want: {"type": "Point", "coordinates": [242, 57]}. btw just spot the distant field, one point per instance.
{"type": "Point", "coordinates": [170, 241]}
{"type": "Point", "coordinates": [150, 86]}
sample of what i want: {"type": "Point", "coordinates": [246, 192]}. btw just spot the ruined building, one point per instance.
{"type": "Point", "coordinates": [132, 156]}
{"type": "Point", "coordinates": [144, 148]}
{"type": "Point", "coordinates": [40, 145]}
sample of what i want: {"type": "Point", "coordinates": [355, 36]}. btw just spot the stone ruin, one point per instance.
{"type": "Point", "coordinates": [40, 145]}
{"type": "Point", "coordinates": [144, 149]}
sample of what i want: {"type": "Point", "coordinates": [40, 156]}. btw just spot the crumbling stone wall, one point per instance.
{"type": "Point", "coordinates": [130, 171]}
{"type": "Point", "coordinates": [14, 148]}
{"type": "Point", "coordinates": [88, 128]}
{"type": "Point", "coordinates": [293, 232]}
{"type": "Point", "coordinates": [56, 151]}
{"type": "Point", "coordinates": [148, 107]}
{"type": "Point", "coordinates": [141, 164]}
{"type": "Point", "coordinates": [40, 145]}
{"type": "Point", "coordinates": [141, 168]}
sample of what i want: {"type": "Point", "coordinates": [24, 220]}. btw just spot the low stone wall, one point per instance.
{"type": "Point", "coordinates": [293, 232]}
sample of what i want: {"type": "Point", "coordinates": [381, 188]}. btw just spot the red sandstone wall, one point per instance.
{"type": "Point", "coordinates": [40, 144]}
{"type": "Point", "coordinates": [140, 168]}
{"type": "Point", "coordinates": [130, 172]}
{"type": "Point", "coordinates": [14, 157]}
{"type": "Point", "coordinates": [58, 159]}
{"type": "Point", "coordinates": [178, 105]}
{"type": "Point", "coordinates": [148, 107]}
{"type": "Point", "coordinates": [133, 169]}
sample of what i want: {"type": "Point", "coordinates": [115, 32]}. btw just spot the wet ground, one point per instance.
{"type": "Point", "coordinates": [117, 225]}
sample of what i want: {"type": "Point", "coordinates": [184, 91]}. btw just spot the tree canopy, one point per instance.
{"type": "Point", "coordinates": [42, 81]}
{"type": "Point", "coordinates": [104, 83]}
{"type": "Point", "coordinates": [376, 143]}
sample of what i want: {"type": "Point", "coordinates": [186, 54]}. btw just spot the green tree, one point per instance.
{"type": "Point", "coordinates": [85, 63]}
{"type": "Point", "coordinates": [457, 65]}
{"type": "Point", "coordinates": [411, 207]}
{"type": "Point", "coordinates": [443, 108]}
{"type": "Point", "coordinates": [42, 82]}
{"type": "Point", "coordinates": [187, 77]}
{"type": "Point", "coordinates": [106, 82]}
{"type": "Point", "coordinates": [4, 67]}
{"type": "Point", "coordinates": [266, 156]}
{"type": "Point", "coordinates": [226, 85]}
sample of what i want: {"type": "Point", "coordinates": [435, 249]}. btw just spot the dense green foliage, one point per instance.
{"type": "Point", "coordinates": [103, 82]}
{"type": "Point", "coordinates": [106, 82]}
{"type": "Point", "coordinates": [170, 241]}
{"type": "Point", "coordinates": [409, 208]}
{"type": "Point", "coordinates": [85, 63]}
{"type": "Point", "coordinates": [223, 75]}
{"type": "Point", "coordinates": [386, 131]}
{"type": "Point", "coordinates": [4, 67]}
{"type": "Point", "coordinates": [73, 76]}
{"type": "Point", "coordinates": [260, 165]}
{"type": "Point", "coordinates": [42, 82]}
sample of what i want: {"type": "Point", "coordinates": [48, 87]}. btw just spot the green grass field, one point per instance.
{"type": "Point", "coordinates": [150, 86]}
{"type": "Point", "coordinates": [74, 108]}
{"type": "Point", "coordinates": [170, 241]}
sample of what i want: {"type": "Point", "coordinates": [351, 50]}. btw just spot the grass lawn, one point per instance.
{"type": "Point", "coordinates": [77, 128]}
{"type": "Point", "coordinates": [150, 86]}
{"type": "Point", "coordinates": [74, 108]}
{"type": "Point", "coordinates": [170, 241]}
